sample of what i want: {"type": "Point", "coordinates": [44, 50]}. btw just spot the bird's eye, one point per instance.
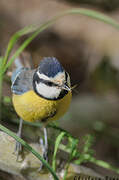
{"type": "Point", "coordinates": [49, 83]}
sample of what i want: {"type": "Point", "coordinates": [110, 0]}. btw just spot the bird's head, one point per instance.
{"type": "Point", "coordinates": [50, 80]}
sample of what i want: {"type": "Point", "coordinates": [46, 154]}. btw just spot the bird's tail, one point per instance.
{"type": "Point", "coordinates": [24, 61]}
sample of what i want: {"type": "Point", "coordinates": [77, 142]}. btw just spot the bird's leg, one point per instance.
{"type": "Point", "coordinates": [45, 153]}
{"type": "Point", "coordinates": [18, 146]}
{"type": "Point", "coordinates": [44, 145]}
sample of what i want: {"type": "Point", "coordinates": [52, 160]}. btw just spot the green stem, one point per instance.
{"type": "Point", "coordinates": [1, 78]}
{"type": "Point", "coordinates": [10, 133]}
{"type": "Point", "coordinates": [104, 164]}
{"type": "Point", "coordinates": [57, 143]}
{"type": "Point", "coordinates": [74, 145]}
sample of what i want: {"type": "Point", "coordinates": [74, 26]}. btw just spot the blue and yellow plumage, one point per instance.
{"type": "Point", "coordinates": [30, 105]}
{"type": "Point", "coordinates": [43, 94]}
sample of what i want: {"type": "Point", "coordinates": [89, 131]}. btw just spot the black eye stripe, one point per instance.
{"type": "Point", "coordinates": [40, 80]}
{"type": "Point", "coordinates": [49, 83]}
{"type": "Point", "coordinates": [46, 82]}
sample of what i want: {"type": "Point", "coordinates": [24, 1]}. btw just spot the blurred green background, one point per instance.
{"type": "Point", "coordinates": [89, 51]}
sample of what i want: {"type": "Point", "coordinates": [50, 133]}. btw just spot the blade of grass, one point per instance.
{"type": "Point", "coordinates": [10, 133]}
{"type": "Point", "coordinates": [90, 13]}
{"type": "Point", "coordinates": [104, 164]}
{"type": "Point", "coordinates": [73, 147]}
{"type": "Point", "coordinates": [95, 15]}
{"type": "Point", "coordinates": [1, 79]}
{"type": "Point", "coordinates": [14, 39]}
{"type": "Point", "coordinates": [88, 158]}
{"type": "Point", "coordinates": [25, 44]}
{"type": "Point", "coordinates": [57, 143]}
{"type": "Point", "coordinates": [89, 140]}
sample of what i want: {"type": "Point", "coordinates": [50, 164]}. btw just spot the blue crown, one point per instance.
{"type": "Point", "coordinates": [50, 67]}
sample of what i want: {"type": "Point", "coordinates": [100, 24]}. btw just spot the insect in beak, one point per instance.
{"type": "Point", "coordinates": [73, 87]}
{"type": "Point", "coordinates": [64, 86]}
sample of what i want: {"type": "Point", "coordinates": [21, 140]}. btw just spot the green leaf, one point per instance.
{"type": "Point", "coordinates": [71, 156]}
{"type": "Point", "coordinates": [14, 39]}
{"type": "Point", "coordinates": [57, 143]}
{"type": "Point", "coordinates": [89, 140]}
{"type": "Point", "coordinates": [1, 62]}
{"type": "Point", "coordinates": [95, 15]}
{"type": "Point", "coordinates": [104, 164]}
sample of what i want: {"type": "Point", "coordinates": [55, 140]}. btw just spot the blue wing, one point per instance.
{"type": "Point", "coordinates": [21, 80]}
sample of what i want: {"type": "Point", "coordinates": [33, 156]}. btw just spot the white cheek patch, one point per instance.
{"type": "Point", "coordinates": [47, 91]}
{"type": "Point", "coordinates": [42, 76]}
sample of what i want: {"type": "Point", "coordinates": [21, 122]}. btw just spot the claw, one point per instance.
{"type": "Point", "coordinates": [18, 151]}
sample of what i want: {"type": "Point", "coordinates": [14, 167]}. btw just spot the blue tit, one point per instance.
{"type": "Point", "coordinates": [43, 94]}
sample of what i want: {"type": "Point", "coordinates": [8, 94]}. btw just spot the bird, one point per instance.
{"type": "Point", "coordinates": [41, 95]}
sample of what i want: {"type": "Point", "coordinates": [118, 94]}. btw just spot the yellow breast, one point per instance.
{"type": "Point", "coordinates": [31, 107]}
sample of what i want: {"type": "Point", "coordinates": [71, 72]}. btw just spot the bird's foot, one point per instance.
{"type": "Point", "coordinates": [18, 147]}
{"type": "Point", "coordinates": [18, 151]}
{"type": "Point", "coordinates": [45, 153]}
